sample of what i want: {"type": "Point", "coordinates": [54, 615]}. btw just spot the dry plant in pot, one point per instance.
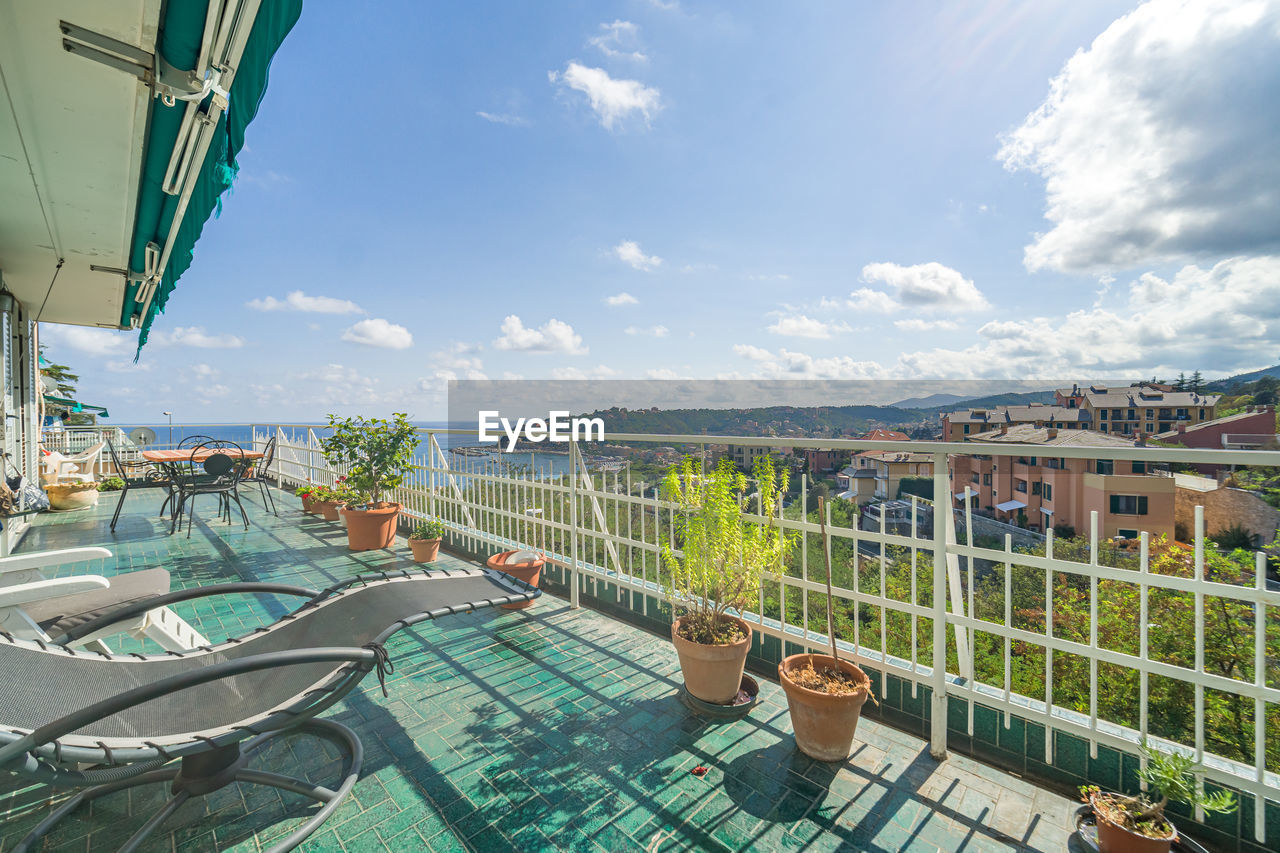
{"type": "Point", "coordinates": [425, 541]}
{"type": "Point", "coordinates": [376, 454]}
{"type": "Point", "coordinates": [721, 559]}
{"type": "Point", "coordinates": [825, 694]}
{"type": "Point", "coordinates": [1136, 823]}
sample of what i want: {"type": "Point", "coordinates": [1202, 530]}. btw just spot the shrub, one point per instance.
{"type": "Point", "coordinates": [376, 453]}
{"type": "Point", "coordinates": [428, 530]}
{"type": "Point", "coordinates": [111, 484]}
{"type": "Point", "coordinates": [1233, 537]}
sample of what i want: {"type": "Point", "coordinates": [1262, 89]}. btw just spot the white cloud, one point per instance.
{"type": "Point", "coordinates": [1158, 142]}
{"type": "Point", "coordinates": [126, 366]}
{"type": "Point", "coordinates": [509, 119]}
{"type": "Point", "coordinates": [650, 331]}
{"type": "Point", "coordinates": [87, 340]}
{"type": "Point", "coordinates": [927, 287]}
{"type": "Point", "coordinates": [618, 40]}
{"type": "Point", "coordinates": [299, 301]}
{"type": "Point", "coordinates": [620, 299]}
{"type": "Point", "coordinates": [195, 336]}
{"type": "Point", "coordinates": [377, 332]}
{"type": "Point", "coordinates": [553, 336]}
{"type": "Point", "coordinates": [204, 371]}
{"type": "Point", "coordinates": [598, 372]}
{"type": "Point", "coordinates": [866, 300]}
{"type": "Point", "coordinates": [915, 324]}
{"type": "Point", "coordinates": [787, 364]}
{"type": "Point", "coordinates": [611, 99]}
{"type": "Point", "coordinates": [800, 326]}
{"type": "Point", "coordinates": [459, 357]}
{"type": "Point", "coordinates": [630, 253]}
{"type": "Point", "coordinates": [662, 373]}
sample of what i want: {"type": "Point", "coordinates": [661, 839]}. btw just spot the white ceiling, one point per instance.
{"type": "Point", "coordinates": [84, 126]}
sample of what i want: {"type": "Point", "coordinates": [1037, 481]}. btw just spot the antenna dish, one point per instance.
{"type": "Point", "coordinates": [50, 384]}
{"type": "Point", "coordinates": [142, 436]}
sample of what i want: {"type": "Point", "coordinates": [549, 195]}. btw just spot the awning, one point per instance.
{"type": "Point", "coordinates": [156, 244]}
{"type": "Point", "coordinates": [55, 400]}
{"type": "Point", "coordinates": [1046, 511]}
{"type": "Point", "coordinates": [1008, 506]}
{"type": "Point", "coordinates": [960, 495]}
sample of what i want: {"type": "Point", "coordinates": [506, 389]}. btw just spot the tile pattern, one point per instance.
{"type": "Point", "coordinates": [544, 729]}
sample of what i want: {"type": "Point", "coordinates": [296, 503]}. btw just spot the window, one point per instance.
{"type": "Point", "coordinates": [1126, 533]}
{"type": "Point", "coordinates": [1102, 415]}
{"type": "Point", "coordinates": [1133, 415]}
{"type": "Point", "coordinates": [1106, 466]}
{"type": "Point", "coordinates": [1020, 486]}
{"type": "Point", "coordinates": [1202, 414]}
{"type": "Point", "coordinates": [1128, 504]}
{"type": "Point", "coordinates": [1150, 413]}
{"type": "Point", "coordinates": [1139, 467]}
{"type": "Point", "coordinates": [1035, 487]}
{"type": "Point", "coordinates": [966, 429]}
{"type": "Point", "coordinates": [1048, 492]}
{"type": "Point", "coordinates": [1183, 414]}
{"type": "Point", "coordinates": [986, 479]}
{"type": "Point", "coordinates": [975, 476]}
{"type": "Point", "coordinates": [1151, 427]}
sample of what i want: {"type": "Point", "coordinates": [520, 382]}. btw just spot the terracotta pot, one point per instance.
{"type": "Point", "coordinates": [528, 571]}
{"type": "Point", "coordinates": [1114, 838]}
{"type": "Point", "coordinates": [424, 550]}
{"type": "Point", "coordinates": [328, 509]}
{"type": "Point", "coordinates": [712, 673]}
{"type": "Point", "coordinates": [373, 527]}
{"type": "Point", "coordinates": [342, 515]}
{"type": "Point", "coordinates": [309, 506]}
{"type": "Point", "coordinates": [824, 724]}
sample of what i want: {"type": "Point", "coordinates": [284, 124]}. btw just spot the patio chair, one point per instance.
{"type": "Point", "coordinates": [195, 720]}
{"type": "Point", "coordinates": [257, 473]}
{"type": "Point", "coordinates": [78, 467]}
{"type": "Point", "coordinates": [34, 606]}
{"type": "Point", "coordinates": [217, 473]}
{"type": "Point", "coordinates": [135, 475]}
{"type": "Point", "coordinates": [187, 443]}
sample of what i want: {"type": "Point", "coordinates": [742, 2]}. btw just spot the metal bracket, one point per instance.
{"type": "Point", "coordinates": [108, 51]}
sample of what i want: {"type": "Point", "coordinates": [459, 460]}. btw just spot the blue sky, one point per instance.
{"type": "Point", "coordinates": [699, 189]}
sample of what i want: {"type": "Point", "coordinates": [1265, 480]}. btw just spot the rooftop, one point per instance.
{"type": "Point", "coordinates": [1034, 412]}
{"type": "Point", "coordinates": [1031, 434]}
{"type": "Point", "coordinates": [548, 728]}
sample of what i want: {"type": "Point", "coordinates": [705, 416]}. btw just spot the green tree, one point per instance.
{"type": "Point", "coordinates": [67, 381]}
{"type": "Point", "coordinates": [1196, 382]}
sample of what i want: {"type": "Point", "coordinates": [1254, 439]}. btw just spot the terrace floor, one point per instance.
{"type": "Point", "coordinates": [550, 728]}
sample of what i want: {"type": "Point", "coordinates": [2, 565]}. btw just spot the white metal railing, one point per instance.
{"type": "Point", "coordinates": [925, 627]}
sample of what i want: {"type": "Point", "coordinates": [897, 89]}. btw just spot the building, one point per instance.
{"type": "Point", "coordinates": [856, 484]}
{"type": "Point", "coordinates": [878, 434]}
{"type": "Point", "coordinates": [1252, 429]}
{"type": "Point", "coordinates": [1145, 407]}
{"type": "Point", "coordinates": [822, 461]}
{"type": "Point", "coordinates": [888, 467]}
{"type": "Point", "coordinates": [1045, 491]}
{"type": "Point", "coordinates": [745, 456]}
{"type": "Point", "coordinates": [959, 425]}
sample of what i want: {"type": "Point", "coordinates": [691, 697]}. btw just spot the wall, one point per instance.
{"type": "Point", "coordinates": [1224, 507]}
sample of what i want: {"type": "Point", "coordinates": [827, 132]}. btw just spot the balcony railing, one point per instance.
{"type": "Point", "coordinates": [1176, 646]}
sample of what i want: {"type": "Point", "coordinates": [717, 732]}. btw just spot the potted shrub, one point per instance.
{"type": "Point", "coordinates": [825, 694]}
{"type": "Point", "coordinates": [308, 495]}
{"type": "Point", "coordinates": [376, 455]}
{"type": "Point", "coordinates": [522, 565]}
{"type": "Point", "coordinates": [718, 568]}
{"type": "Point", "coordinates": [325, 502]}
{"type": "Point", "coordinates": [348, 497]}
{"type": "Point", "coordinates": [1136, 824]}
{"type": "Point", "coordinates": [425, 540]}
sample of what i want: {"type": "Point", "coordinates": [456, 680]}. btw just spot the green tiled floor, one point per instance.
{"type": "Point", "coordinates": [546, 729]}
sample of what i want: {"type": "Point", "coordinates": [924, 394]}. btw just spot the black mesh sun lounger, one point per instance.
{"type": "Point", "coordinates": [194, 719]}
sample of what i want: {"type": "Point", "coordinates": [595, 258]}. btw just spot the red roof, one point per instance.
{"type": "Point", "coordinates": [886, 435]}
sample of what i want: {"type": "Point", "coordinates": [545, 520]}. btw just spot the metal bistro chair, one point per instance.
{"type": "Point", "coordinates": [136, 475]}
{"type": "Point", "coordinates": [215, 469]}
{"type": "Point", "coordinates": [256, 472]}
{"type": "Point", "coordinates": [171, 501]}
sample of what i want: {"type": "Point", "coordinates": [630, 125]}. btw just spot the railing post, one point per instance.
{"type": "Point", "coordinates": [573, 523]}
{"type": "Point", "coordinates": [941, 512]}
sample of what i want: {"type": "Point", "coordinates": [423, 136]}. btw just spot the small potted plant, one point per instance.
{"type": "Point", "coordinates": [348, 497]}
{"type": "Point", "coordinates": [1137, 824]}
{"type": "Point", "coordinates": [425, 541]}
{"type": "Point", "coordinates": [376, 454]}
{"type": "Point", "coordinates": [308, 495]}
{"type": "Point", "coordinates": [719, 566]}
{"type": "Point", "coordinates": [326, 502]}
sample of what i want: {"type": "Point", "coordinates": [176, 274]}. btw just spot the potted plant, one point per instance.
{"type": "Point", "coordinates": [347, 497]}
{"type": "Point", "coordinates": [522, 565]}
{"type": "Point", "coordinates": [308, 495]}
{"type": "Point", "coordinates": [719, 566]}
{"type": "Point", "coordinates": [376, 455]}
{"type": "Point", "coordinates": [1136, 824]}
{"type": "Point", "coordinates": [425, 540]}
{"type": "Point", "coordinates": [825, 694]}
{"type": "Point", "coordinates": [325, 502]}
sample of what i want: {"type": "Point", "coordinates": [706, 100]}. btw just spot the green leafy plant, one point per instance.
{"type": "Point", "coordinates": [307, 492]}
{"type": "Point", "coordinates": [1233, 537]}
{"type": "Point", "coordinates": [111, 484]}
{"type": "Point", "coordinates": [345, 493]}
{"type": "Point", "coordinates": [375, 452]}
{"type": "Point", "coordinates": [428, 530]}
{"type": "Point", "coordinates": [1169, 778]}
{"type": "Point", "coordinates": [723, 555]}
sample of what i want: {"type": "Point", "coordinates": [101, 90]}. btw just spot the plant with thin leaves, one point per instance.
{"type": "Point", "coordinates": [1169, 777]}
{"type": "Point", "coordinates": [375, 452]}
{"type": "Point", "coordinates": [427, 530]}
{"type": "Point", "coordinates": [722, 554]}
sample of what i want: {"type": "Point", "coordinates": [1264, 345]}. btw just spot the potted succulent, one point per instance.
{"type": "Point", "coordinates": [308, 495]}
{"type": "Point", "coordinates": [1137, 824]}
{"type": "Point", "coordinates": [825, 694]}
{"type": "Point", "coordinates": [425, 541]}
{"type": "Point", "coordinates": [376, 454]}
{"type": "Point", "coordinates": [721, 559]}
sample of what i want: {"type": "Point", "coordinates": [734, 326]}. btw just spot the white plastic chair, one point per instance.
{"type": "Point", "coordinates": [60, 468]}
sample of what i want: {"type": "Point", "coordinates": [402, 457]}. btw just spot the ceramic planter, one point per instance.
{"type": "Point", "coordinates": [309, 506]}
{"type": "Point", "coordinates": [72, 495]}
{"type": "Point", "coordinates": [712, 673]}
{"type": "Point", "coordinates": [372, 527]}
{"type": "Point", "coordinates": [824, 723]}
{"type": "Point", "coordinates": [528, 571]}
{"type": "Point", "coordinates": [1114, 838]}
{"type": "Point", "coordinates": [328, 509]}
{"type": "Point", "coordinates": [424, 550]}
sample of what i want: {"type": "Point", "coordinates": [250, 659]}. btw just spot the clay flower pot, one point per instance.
{"type": "Point", "coordinates": [528, 571]}
{"type": "Point", "coordinates": [424, 550]}
{"type": "Point", "coordinates": [372, 527]}
{"type": "Point", "coordinates": [1114, 838]}
{"type": "Point", "coordinates": [712, 673]}
{"type": "Point", "coordinates": [824, 723]}
{"type": "Point", "coordinates": [309, 506]}
{"type": "Point", "coordinates": [326, 509]}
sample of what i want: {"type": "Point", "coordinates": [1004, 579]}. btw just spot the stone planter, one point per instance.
{"type": "Point", "coordinates": [65, 496]}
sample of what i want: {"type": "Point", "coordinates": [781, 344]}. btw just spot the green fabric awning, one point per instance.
{"type": "Point", "coordinates": [180, 39]}
{"type": "Point", "coordinates": [74, 406]}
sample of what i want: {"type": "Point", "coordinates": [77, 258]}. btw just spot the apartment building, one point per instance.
{"type": "Point", "coordinates": [959, 425]}
{"type": "Point", "coordinates": [1252, 429]}
{"type": "Point", "coordinates": [1045, 490]}
{"type": "Point", "coordinates": [888, 467]}
{"type": "Point", "coordinates": [745, 457]}
{"type": "Point", "coordinates": [823, 461]}
{"type": "Point", "coordinates": [1146, 407]}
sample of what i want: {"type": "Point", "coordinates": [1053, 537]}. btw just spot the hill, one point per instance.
{"type": "Point", "coordinates": [1231, 382]}
{"type": "Point", "coordinates": [798, 421]}
{"type": "Point", "coordinates": [1011, 399]}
